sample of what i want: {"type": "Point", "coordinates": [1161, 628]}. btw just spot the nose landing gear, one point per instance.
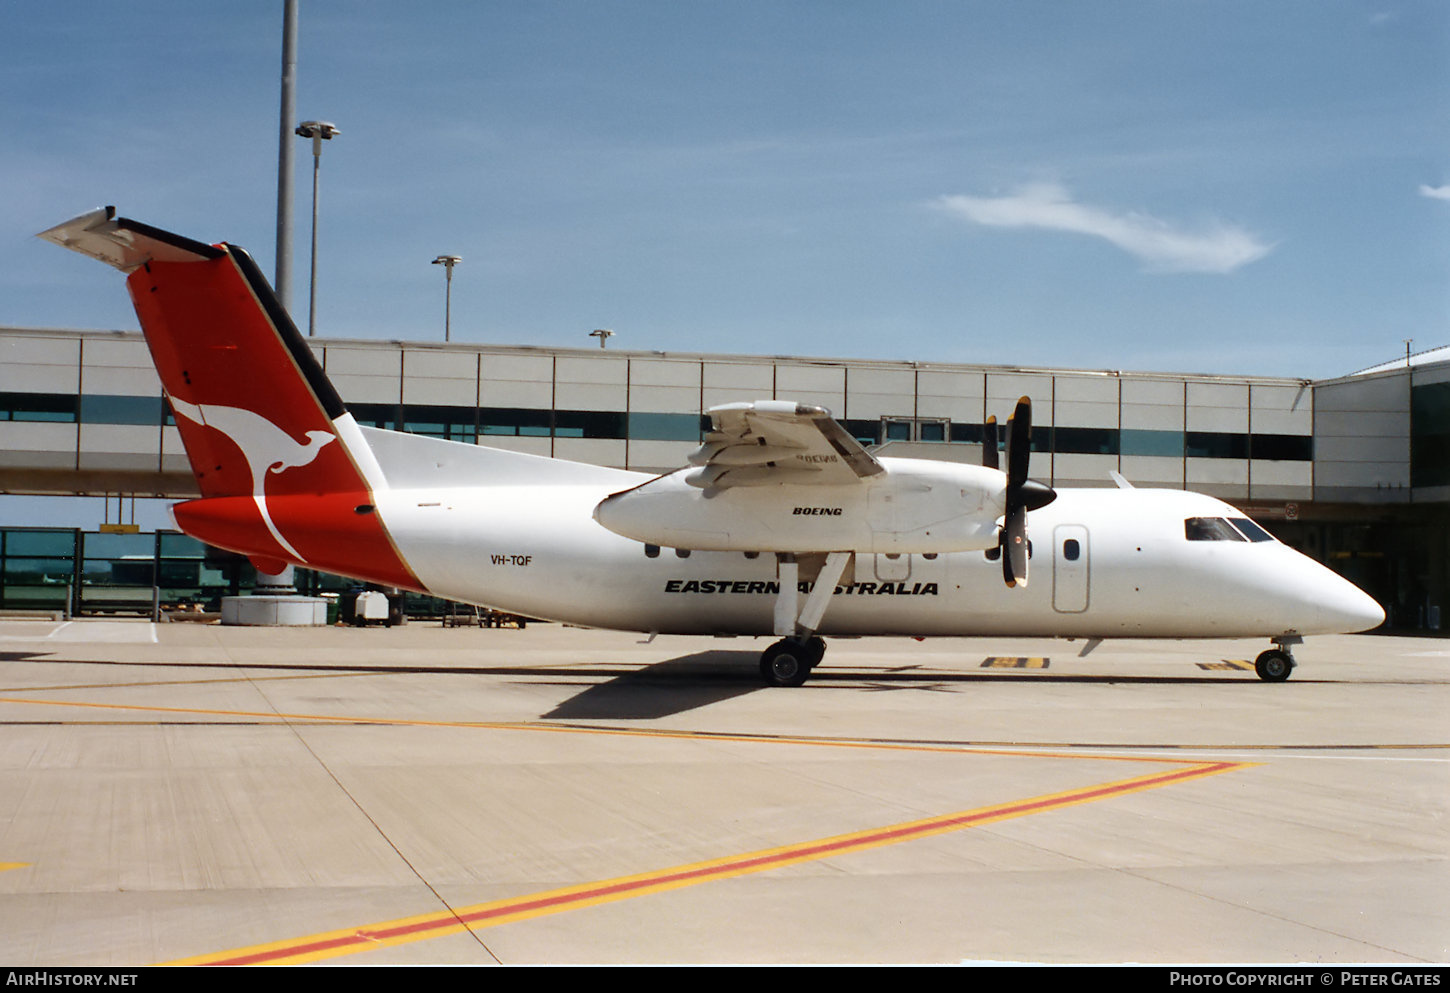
{"type": "Point", "coordinates": [1275, 665]}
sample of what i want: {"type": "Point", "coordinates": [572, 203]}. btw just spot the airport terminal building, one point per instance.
{"type": "Point", "coordinates": [1354, 471]}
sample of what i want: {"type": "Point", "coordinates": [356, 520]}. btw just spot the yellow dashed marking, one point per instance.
{"type": "Point", "coordinates": [1014, 662]}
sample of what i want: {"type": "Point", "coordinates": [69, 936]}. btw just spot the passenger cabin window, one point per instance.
{"type": "Point", "coordinates": [1210, 529]}
{"type": "Point", "coordinates": [1071, 549]}
{"type": "Point", "coordinates": [1251, 530]}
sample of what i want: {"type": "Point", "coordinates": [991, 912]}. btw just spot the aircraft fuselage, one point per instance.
{"type": "Point", "coordinates": [535, 550]}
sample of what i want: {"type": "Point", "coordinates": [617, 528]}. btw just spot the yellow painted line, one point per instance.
{"type": "Point", "coordinates": [70, 687]}
{"type": "Point", "coordinates": [348, 941]}
{"type": "Point", "coordinates": [1227, 664]}
{"type": "Point", "coordinates": [1014, 662]}
{"type": "Point", "coordinates": [330, 719]}
{"type": "Point", "coordinates": [12, 865]}
{"type": "Point", "coordinates": [333, 944]}
{"type": "Point", "coordinates": [1105, 751]}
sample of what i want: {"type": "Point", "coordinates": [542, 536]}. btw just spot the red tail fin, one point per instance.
{"type": "Point", "coordinates": [249, 400]}
{"type": "Point", "coordinates": [284, 472]}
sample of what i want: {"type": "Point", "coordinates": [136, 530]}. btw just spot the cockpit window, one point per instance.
{"type": "Point", "coordinates": [1210, 529]}
{"type": "Point", "coordinates": [1251, 530]}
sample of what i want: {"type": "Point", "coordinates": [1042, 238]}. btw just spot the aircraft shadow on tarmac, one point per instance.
{"type": "Point", "coordinates": [670, 687]}
{"type": "Point", "coordinates": [684, 683]}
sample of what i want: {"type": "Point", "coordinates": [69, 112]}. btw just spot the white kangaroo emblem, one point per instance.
{"type": "Point", "coordinates": [265, 446]}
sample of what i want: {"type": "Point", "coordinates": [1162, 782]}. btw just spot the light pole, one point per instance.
{"type": "Point", "coordinates": [602, 334]}
{"type": "Point", "coordinates": [318, 131]}
{"type": "Point", "coordinates": [284, 154]}
{"type": "Point", "coordinates": [448, 262]}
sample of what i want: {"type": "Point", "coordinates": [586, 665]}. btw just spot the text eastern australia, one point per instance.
{"type": "Point", "coordinates": [772, 588]}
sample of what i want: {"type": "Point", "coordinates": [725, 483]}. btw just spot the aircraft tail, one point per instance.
{"type": "Point", "coordinates": [284, 471]}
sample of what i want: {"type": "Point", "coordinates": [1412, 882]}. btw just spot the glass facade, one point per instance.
{"type": "Point", "coordinates": [89, 572]}
{"type": "Point", "coordinates": [470, 424]}
{"type": "Point", "coordinates": [37, 567]}
{"type": "Point", "coordinates": [1430, 435]}
{"type": "Point", "coordinates": [37, 407]}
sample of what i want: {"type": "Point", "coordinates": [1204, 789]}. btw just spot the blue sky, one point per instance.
{"type": "Point", "coordinates": [1230, 187]}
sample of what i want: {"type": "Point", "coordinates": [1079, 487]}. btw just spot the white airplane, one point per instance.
{"type": "Point", "coordinates": [782, 523]}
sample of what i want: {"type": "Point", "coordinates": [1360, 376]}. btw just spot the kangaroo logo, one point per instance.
{"type": "Point", "coordinates": [266, 447]}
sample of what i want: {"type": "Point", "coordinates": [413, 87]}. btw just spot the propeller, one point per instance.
{"type": "Point", "coordinates": [1023, 494]}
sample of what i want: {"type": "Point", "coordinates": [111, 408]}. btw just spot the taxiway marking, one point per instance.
{"type": "Point", "coordinates": [1014, 662]}
{"type": "Point", "coordinates": [68, 687]}
{"type": "Point", "coordinates": [332, 944]}
{"type": "Point", "coordinates": [1032, 749]}
{"type": "Point", "coordinates": [417, 928]}
{"type": "Point", "coordinates": [1097, 751]}
{"type": "Point", "coordinates": [109, 632]}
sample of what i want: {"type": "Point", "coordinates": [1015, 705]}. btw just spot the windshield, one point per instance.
{"type": "Point", "coordinates": [1210, 529]}
{"type": "Point", "coordinates": [1251, 530]}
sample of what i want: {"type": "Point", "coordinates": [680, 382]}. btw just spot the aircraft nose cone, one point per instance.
{"type": "Point", "coordinates": [1346, 608]}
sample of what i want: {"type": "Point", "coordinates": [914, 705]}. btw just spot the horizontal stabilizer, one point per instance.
{"type": "Point", "coordinates": [123, 243]}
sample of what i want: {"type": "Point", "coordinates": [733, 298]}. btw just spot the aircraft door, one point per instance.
{"type": "Point", "coordinates": [1070, 570]}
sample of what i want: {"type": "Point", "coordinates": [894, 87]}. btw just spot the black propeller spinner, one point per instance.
{"type": "Point", "coordinates": [1023, 494]}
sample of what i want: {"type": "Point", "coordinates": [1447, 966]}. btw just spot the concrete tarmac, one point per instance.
{"type": "Point", "coordinates": [189, 793]}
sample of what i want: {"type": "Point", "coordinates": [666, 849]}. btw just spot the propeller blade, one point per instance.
{"type": "Point", "coordinates": [1019, 443]}
{"type": "Point", "coordinates": [1014, 549]}
{"type": "Point", "coordinates": [1023, 494]}
{"type": "Point", "coordinates": [989, 443]}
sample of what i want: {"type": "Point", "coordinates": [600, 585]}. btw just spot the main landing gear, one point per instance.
{"type": "Point", "coordinates": [1275, 665]}
{"type": "Point", "coordinates": [789, 661]}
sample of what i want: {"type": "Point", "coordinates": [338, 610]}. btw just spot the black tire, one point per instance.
{"type": "Point", "coordinates": [785, 663]}
{"type": "Point", "coordinates": [815, 649]}
{"type": "Point", "coordinates": [1274, 665]}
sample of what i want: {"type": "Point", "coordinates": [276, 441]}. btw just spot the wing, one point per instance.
{"type": "Point", "coordinates": [777, 441]}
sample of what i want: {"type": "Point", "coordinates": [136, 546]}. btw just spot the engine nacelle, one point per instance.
{"type": "Point", "coordinates": [915, 506]}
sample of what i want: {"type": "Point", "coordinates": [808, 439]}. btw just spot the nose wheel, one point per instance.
{"type": "Point", "coordinates": [789, 661]}
{"type": "Point", "coordinates": [1275, 665]}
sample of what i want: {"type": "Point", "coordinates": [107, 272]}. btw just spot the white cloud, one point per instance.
{"type": "Point", "coordinates": [1164, 247]}
{"type": "Point", "coordinates": [1435, 192]}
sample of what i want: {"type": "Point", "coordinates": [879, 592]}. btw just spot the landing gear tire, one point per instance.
{"type": "Point", "coordinates": [1274, 665]}
{"type": "Point", "coordinates": [815, 649]}
{"type": "Point", "coordinates": [787, 663]}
